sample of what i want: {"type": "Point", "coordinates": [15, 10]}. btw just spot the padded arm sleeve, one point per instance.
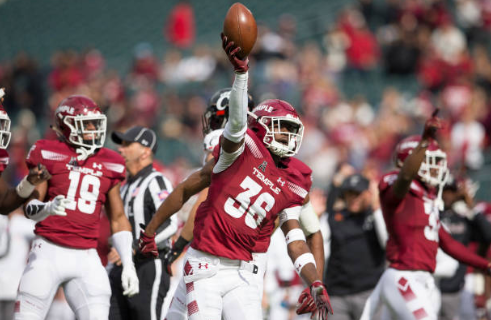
{"type": "Point", "coordinates": [237, 115]}
{"type": "Point", "coordinates": [309, 222]}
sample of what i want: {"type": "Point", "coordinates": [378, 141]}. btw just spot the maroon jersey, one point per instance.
{"type": "Point", "coordinates": [4, 160]}
{"type": "Point", "coordinates": [86, 183]}
{"type": "Point", "coordinates": [413, 226]}
{"type": "Point", "coordinates": [245, 199]}
{"type": "Point", "coordinates": [298, 171]}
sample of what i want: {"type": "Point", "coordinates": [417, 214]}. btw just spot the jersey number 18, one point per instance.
{"type": "Point", "coordinates": [88, 192]}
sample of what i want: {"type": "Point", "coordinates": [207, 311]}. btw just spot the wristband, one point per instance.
{"type": "Point", "coordinates": [294, 235]}
{"type": "Point", "coordinates": [24, 188]}
{"type": "Point", "coordinates": [303, 260]}
{"type": "Point", "coordinates": [180, 244]}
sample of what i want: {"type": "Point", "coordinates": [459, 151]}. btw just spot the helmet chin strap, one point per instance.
{"type": "Point", "coordinates": [84, 153]}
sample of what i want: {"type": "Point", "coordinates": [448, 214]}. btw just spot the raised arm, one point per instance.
{"type": "Point", "coordinates": [410, 168]}
{"type": "Point", "coordinates": [233, 135]}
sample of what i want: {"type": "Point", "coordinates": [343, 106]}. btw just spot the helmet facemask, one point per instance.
{"type": "Point", "coordinates": [294, 134]}
{"type": "Point", "coordinates": [4, 131]}
{"type": "Point", "coordinates": [79, 127]}
{"type": "Point", "coordinates": [434, 172]}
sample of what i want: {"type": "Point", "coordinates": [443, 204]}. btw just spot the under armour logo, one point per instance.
{"type": "Point", "coordinates": [281, 181]}
{"type": "Point", "coordinates": [97, 166]}
{"type": "Point", "coordinates": [203, 265]}
{"type": "Point", "coordinates": [263, 166]}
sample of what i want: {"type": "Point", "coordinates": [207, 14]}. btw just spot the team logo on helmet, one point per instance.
{"type": "Point", "coordinates": [216, 115]}
{"type": "Point", "coordinates": [269, 121]}
{"type": "Point", "coordinates": [80, 122]}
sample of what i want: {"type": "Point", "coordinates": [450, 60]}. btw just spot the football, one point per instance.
{"type": "Point", "coordinates": [240, 27]}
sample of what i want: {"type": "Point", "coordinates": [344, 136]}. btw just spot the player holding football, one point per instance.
{"type": "Point", "coordinates": [85, 176]}
{"type": "Point", "coordinates": [252, 180]}
{"type": "Point", "coordinates": [214, 120]}
{"type": "Point", "coordinates": [12, 198]}
{"type": "Point", "coordinates": [411, 199]}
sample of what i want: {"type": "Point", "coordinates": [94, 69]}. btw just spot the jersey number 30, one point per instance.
{"type": "Point", "coordinates": [88, 192]}
{"type": "Point", "coordinates": [255, 212]}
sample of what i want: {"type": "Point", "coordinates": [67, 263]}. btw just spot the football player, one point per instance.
{"type": "Point", "coordinates": [12, 198]}
{"type": "Point", "coordinates": [214, 120]}
{"type": "Point", "coordinates": [252, 180]}
{"type": "Point", "coordinates": [410, 200]}
{"type": "Point", "coordinates": [85, 177]}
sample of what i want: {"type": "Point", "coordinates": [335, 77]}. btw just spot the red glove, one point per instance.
{"type": "Point", "coordinates": [231, 50]}
{"type": "Point", "coordinates": [307, 304]}
{"type": "Point", "coordinates": [321, 299]}
{"type": "Point", "coordinates": [147, 245]}
{"type": "Point", "coordinates": [431, 126]}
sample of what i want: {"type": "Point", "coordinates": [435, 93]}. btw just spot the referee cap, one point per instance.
{"type": "Point", "coordinates": [355, 183]}
{"type": "Point", "coordinates": [144, 136]}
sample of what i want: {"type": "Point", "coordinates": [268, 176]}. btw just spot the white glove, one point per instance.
{"type": "Point", "coordinates": [129, 280]}
{"type": "Point", "coordinates": [38, 211]}
{"type": "Point", "coordinates": [461, 208]}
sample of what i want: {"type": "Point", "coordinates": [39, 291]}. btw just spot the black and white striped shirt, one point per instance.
{"type": "Point", "coordinates": [142, 195]}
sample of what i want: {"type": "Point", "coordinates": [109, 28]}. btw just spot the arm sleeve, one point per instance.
{"type": "Point", "coordinates": [159, 188]}
{"type": "Point", "coordinates": [237, 114]}
{"type": "Point", "coordinates": [309, 222]}
{"type": "Point", "coordinates": [459, 252]}
{"type": "Point", "coordinates": [380, 228]}
{"type": "Point", "coordinates": [446, 266]}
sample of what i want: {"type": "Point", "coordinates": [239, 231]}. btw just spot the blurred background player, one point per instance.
{"type": "Point", "coordinates": [465, 224]}
{"type": "Point", "coordinates": [410, 199]}
{"type": "Point", "coordinates": [143, 192]}
{"type": "Point", "coordinates": [234, 251]}
{"type": "Point", "coordinates": [12, 198]}
{"type": "Point", "coordinates": [85, 176]}
{"type": "Point", "coordinates": [357, 243]}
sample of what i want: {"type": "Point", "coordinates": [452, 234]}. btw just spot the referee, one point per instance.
{"type": "Point", "coordinates": [145, 189]}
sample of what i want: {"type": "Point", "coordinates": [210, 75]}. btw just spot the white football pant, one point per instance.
{"type": "Point", "coordinates": [408, 295]}
{"type": "Point", "coordinates": [220, 286]}
{"type": "Point", "coordinates": [79, 271]}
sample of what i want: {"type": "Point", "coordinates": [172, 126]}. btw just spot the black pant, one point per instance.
{"type": "Point", "coordinates": [138, 307]}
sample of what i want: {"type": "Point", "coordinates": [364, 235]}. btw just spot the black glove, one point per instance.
{"type": "Point", "coordinates": [174, 253]}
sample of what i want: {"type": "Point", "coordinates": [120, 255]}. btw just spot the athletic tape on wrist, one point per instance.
{"type": "Point", "coordinates": [24, 188]}
{"type": "Point", "coordinates": [294, 235]}
{"type": "Point", "coordinates": [303, 260]}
